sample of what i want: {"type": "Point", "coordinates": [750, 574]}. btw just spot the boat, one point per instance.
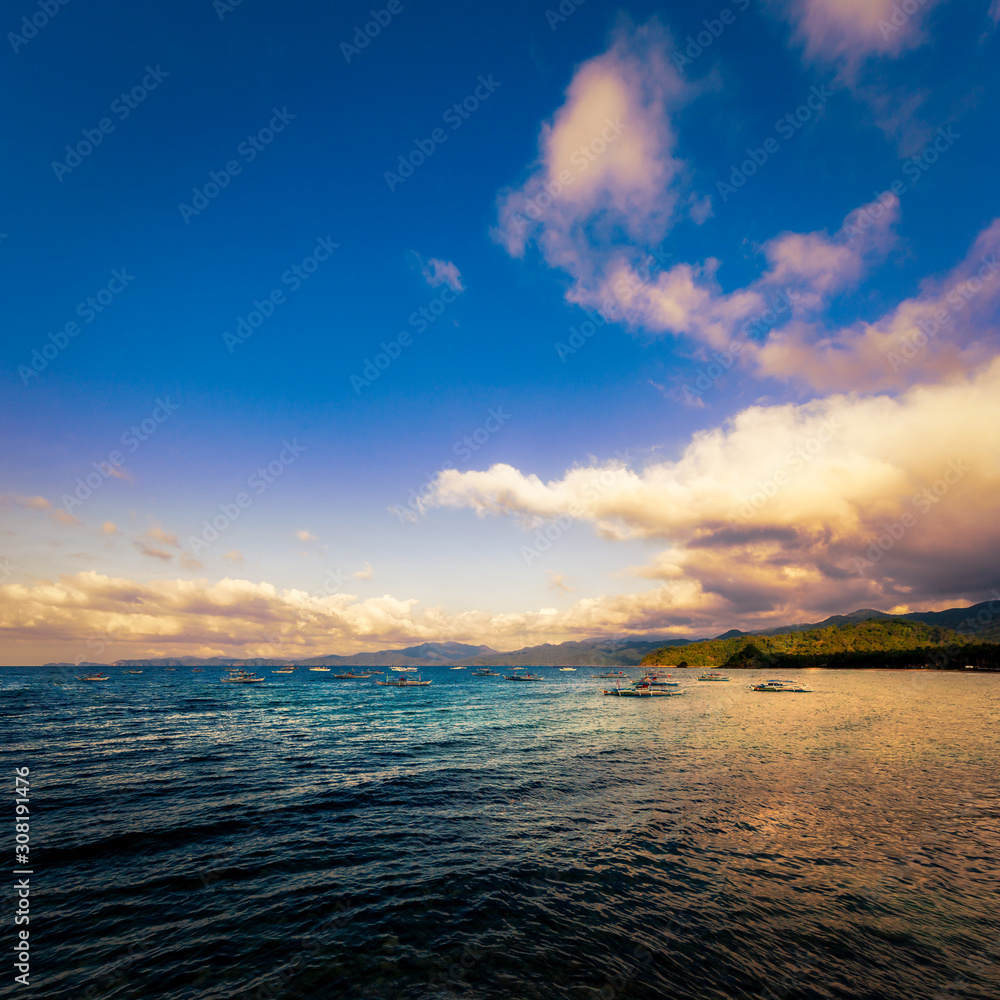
{"type": "Point", "coordinates": [320, 670]}
{"type": "Point", "coordinates": [237, 675]}
{"type": "Point", "coordinates": [526, 676]}
{"type": "Point", "coordinates": [653, 680]}
{"type": "Point", "coordinates": [713, 676]}
{"type": "Point", "coordinates": [284, 670]}
{"type": "Point", "coordinates": [403, 670]}
{"type": "Point", "coordinates": [776, 685]}
{"type": "Point", "coordinates": [642, 692]}
{"type": "Point", "coordinates": [564, 670]}
{"type": "Point", "coordinates": [485, 672]}
{"type": "Point", "coordinates": [402, 682]}
{"type": "Point", "coordinates": [614, 675]}
{"type": "Point", "coordinates": [131, 671]}
{"type": "Point", "coordinates": [197, 670]}
{"type": "Point", "coordinates": [456, 668]}
{"type": "Point", "coordinates": [349, 676]}
{"type": "Point", "coordinates": [94, 677]}
{"type": "Point", "coordinates": [170, 668]}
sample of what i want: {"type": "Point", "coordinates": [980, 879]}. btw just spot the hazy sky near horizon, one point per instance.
{"type": "Point", "coordinates": [339, 327]}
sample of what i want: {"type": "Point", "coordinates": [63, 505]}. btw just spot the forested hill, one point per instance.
{"type": "Point", "coordinates": [878, 642]}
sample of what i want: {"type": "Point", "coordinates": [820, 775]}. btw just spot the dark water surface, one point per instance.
{"type": "Point", "coordinates": [479, 839]}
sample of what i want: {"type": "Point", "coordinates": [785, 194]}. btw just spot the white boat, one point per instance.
{"type": "Point", "coordinates": [456, 668]}
{"type": "Point", "coordinates": [320, 670]}
{"type": "Point", "coordinates": [642, 692]}
{"type": "Point", "coordinates": [525, 676]}
{"type": "Point", "coordinates": [239, 676]}
{"type": "Point", "coordinates": [614, 675]}
{"type": "Point", "coordinates": [403, 670]}
{"type": "Point", "coordinates": [776, 685]}
{"type": "Point", "coordinates": [713, 676]}
{"type": "Point", "coordinates": [485, 672]}
{"type": "Point", "coordinates": [94, 677]}
{"type": "Point", "coordinates": [653, 680]}
{"type": "Point", "coordinates": [566, 670]}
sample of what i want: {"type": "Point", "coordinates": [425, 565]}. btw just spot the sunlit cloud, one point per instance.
{"type": "Point", "coordinates": [442, 272]}
{"type": "Point", "coordinates": [151, 550]}
{"type": "Point", "coordinates": [234, 556]}
{"type": "Point", "coordinates": [364, 574]}
{"type": "Point", "coordinates": [303, 535]}
{"type": "Point", "coordinates": [109, 528]}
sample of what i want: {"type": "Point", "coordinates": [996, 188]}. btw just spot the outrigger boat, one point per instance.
{"type": "Point", "coordinates": [614, 675]}
{"type": "Point", "coordinates": [653, 680]}
{"type": "Point", "coordinates": [564, 670]}
{"type": "Point", "coordinates": [485, 672]}
{"type": "Point", "coordinates": [403, 670]}
{"type": "Point", "coordinates": [526, 676]}
{"type": "Point", "coordinates": [776, 685]}
{"type": "Point", "coordinates": [320, 670]}
{"type": "Point", "coordinates": [642, 691]}
{"type": "Point", "coordinates": [402, 682]}
{"type": "Point", "coordinates": [349, 676]}
{"type": "Point", "coordinates": [237, 675]}
{"type": "Point", "coordinates": [713, 676]}
{"type": "Point", "coordinates": [131, 671]}
{"type": "Point", "coordinates": [94, 677]}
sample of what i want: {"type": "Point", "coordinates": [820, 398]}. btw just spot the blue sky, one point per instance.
{"type": "Point", "coordinates": [643, 551]}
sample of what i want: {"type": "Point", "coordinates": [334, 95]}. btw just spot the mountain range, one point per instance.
{"type": "Point", "coordinates": [980, 621]}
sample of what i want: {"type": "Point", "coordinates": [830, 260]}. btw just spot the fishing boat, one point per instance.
{"type": "Point", "coordinates": [197, 670]}
{"type": "Point", "coordinates": [775, 686]}
{"type": "Point", "coordinates": [237, 675]}
{"type": "Point", "coordinates": [642, 692]}
{"type": "Point", "coordinates": [485, 672]}
{"type": "Point", "coordinates": [566, 670]}
{"type": "Point", "coordinates": [131, 671]}
{"type": "Point", "coordinates": [527, 675]}
{"type": "Point", "coordinates": [403, 670]}
{"type": "Point", "coordinates": [654, 680]}
{"type": "Point", "coordinates": [614, 675]}
{"type": "Point", "coordinates": [713, 676]}
{"type": "Point", "coordinates": [320, 670]}
{"type": "Point", "coordinates": [94, 677]}
{"type": "Point", "coordinates": [284, 670]}
{"type": "Point", "coordinates": [402, 682]}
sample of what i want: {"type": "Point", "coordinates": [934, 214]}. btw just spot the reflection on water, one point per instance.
{"type": "Point", "coordinates": [474, 839]}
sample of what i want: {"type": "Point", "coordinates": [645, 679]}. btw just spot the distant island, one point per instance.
{"type": "Point", "coordinates": [874, 643]}
{"type": "Point", "coordinates": [861, 638]}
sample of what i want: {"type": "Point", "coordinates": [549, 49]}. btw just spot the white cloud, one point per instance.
{"type": "Point", "coordinates": [442, 272]}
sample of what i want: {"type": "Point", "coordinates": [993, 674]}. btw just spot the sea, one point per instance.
{"type": "Point", "coordinates": [318, 838]}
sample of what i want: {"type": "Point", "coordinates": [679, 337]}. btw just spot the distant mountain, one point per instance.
{"type": "Point", "coordinates": [964, 620]}
{"type": "Point", "coordinates": [978, 622]}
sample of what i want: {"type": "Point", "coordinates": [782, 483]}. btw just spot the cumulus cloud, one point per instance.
{"type": "Point", "coordinates": [607, 170]}
{"type": "Point", "coordinates": [849, 31]}
{"type": "Point", "coordinates": [780, 509]}
{"type": "Point", "coordinates": [442, 272]}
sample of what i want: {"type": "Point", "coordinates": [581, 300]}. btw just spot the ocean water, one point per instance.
{"type": "Point", "coordinates": [310, 837]}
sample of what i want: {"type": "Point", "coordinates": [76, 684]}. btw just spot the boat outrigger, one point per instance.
{"type": "Point", "coordinates": [485, 672]}
{"type": "Point", "coordinates": [237, 675]}
{"type": "Point", "coordinates": [713, 676]}
{"type": "Point", "coordinates": [776, 685]}
{"type": "Point", "coordinates": [525, 676]}
{"type": "Point", "coordinates": [402, 682]}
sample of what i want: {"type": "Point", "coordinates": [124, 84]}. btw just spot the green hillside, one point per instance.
{"type": "Point", "coordinates": [877, 642]}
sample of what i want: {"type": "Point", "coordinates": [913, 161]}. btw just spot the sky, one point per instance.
{"type": "Point", "coordinates": [331, 328]}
